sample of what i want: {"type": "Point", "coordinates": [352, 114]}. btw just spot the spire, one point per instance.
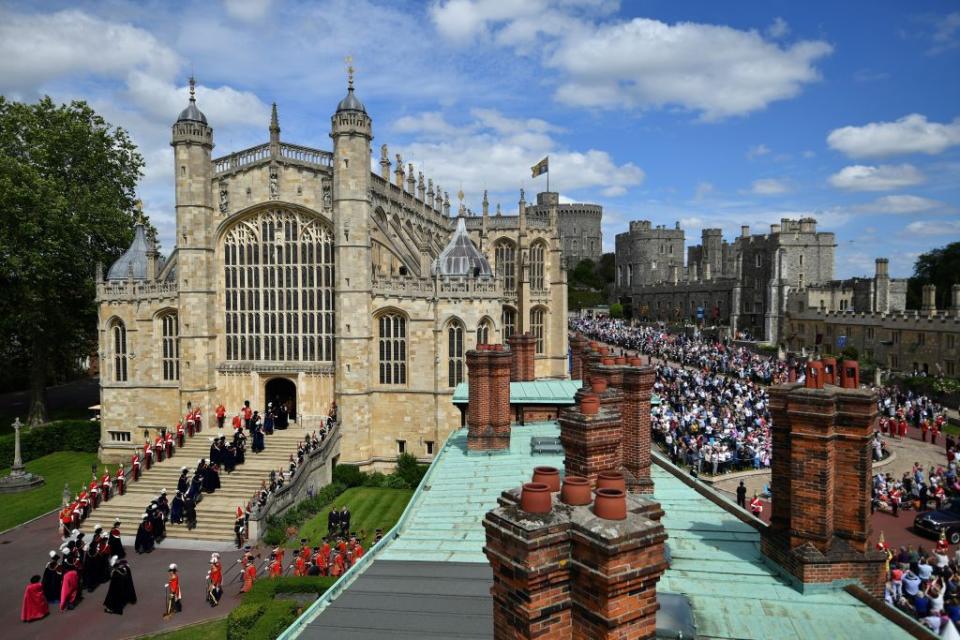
{"type": "Point", "coordinates": [384, 163]}
{"type": "Point", "coordinates": [461, 210]}
{"type": "Point", "coordinates": [350, 102]}
{"type": "Point", "coordinates": [486, 204]}
{"type": "Point", "coordinates": [192, 113]}
{"type": "Point", "coordinates": [274, 125]}
{"type": "Point", "coordinates": [193, 88]}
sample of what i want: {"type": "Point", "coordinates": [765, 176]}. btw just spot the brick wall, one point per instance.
{"type": "Point", "coordinates": [569, 574]}
{"type": "Point", "coordinates": [488, 413]}
{"type": "Point", "coordinates": [523, 351]}
{"type": "Point", "coordinates": [591, 443]}
{"type": "Point", "coordinates": [637, 386]}
{"type": "Point", "coordinates": [820, 479]}
{"type": "Point", "coordinates": [578, 345]}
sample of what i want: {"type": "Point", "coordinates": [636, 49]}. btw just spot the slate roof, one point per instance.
{"type": "Point", "coordinates": [134, 259]}
{"type": "Point", "coordinates": [461, 258]}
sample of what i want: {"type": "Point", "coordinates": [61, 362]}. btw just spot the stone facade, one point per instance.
{"type": "Point", "coordinates": [298, 271]}
{"type": "Point", "coordinates": [743, 285]}
{"type": "Point", "coordinates": [579, 223]}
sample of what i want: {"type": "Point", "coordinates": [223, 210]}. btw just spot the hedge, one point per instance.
{"type": "Point", "coordinates": [262, 616]}
{"type": "Point", "coordinates": [61, 435]}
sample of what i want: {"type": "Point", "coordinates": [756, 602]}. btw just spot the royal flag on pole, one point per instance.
{"type": "Point", "coordinates": [541, 167]}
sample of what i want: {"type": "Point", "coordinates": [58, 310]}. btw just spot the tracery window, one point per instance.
{"type": "Point", "coordinates": [508, 321]}
{"type": "Point", "coordinates": [454, 353]}
{"type": "Point", "coordinates": [536, 326]}
{"type": "Point", "coordinates": [505, 254]}
{"type": "Point", "coordinates": [483, 332]}
{"type": "Point", "coordinates": [119, 331]}
{"type": "Point", "coordinates": [170, 346]}
{"type": "Point", "coordinates": [279, 279]}
{"type": "Point", "coordinates": [393, 348]}
{"type": "Point", "coordinates": [536, 266]}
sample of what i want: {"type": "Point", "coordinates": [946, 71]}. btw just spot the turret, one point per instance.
{"type": "Point", "coordinates": [352, 132]}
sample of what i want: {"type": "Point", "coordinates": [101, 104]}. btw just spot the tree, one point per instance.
{"type": "Point", "coordinates": [939, 267]}
{"type": "Point", "coordinates": [616, 310]}
{"type": "Point", "coordinates": [67, 194]}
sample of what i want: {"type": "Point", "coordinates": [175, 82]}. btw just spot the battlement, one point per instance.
{"type": "Point", "coordinates": [912, 317]}
{"type": "Point", "coordinates": [441, 287]}
{"type": "Point", "coordinates": [263, 153]}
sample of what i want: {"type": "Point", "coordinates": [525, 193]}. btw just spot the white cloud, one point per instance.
{"type": "Point", "coordinates": [223, 106]}
{"type": "Point", "coordinates": [703, 190]}
{"type": "Point", "coordinates": [247, 10]}
{"type": "Point", "coordinates": [934, 228]}
{"type": "Point", "coordinates": [778, 29]}
{"type": "Point", "coordinates": [910, 134]}
{"type": "Point", "coordinates": [493, 151]}
{"type": "Point", "coordinates": [884, 177]}
{"type": "Point", "coordinates": [769, 186]}
{"type": "Point", "coordinates": [36, 48]}
{"type": "Point", "coordinates": [945, 33]}
{"type": "Point", "coordinates": [809, 154]}
{"type": "Point", "coordinates": [899, 204]}
{"type": "Point", "coordinates": [757, 150]}
{"type": "Point", "coordinates": [647, 63]}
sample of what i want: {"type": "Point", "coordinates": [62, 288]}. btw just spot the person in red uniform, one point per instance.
{"type": "Point", "coordinates": [135, 465]}
{"type": "Point", "coordinates": [221, 414]}
{"type": "Point", "coordinates": [120, 479]}
{"type": "Point", "coordinates": [34, 602]}
{"type": "Point", "coordinates": [147, 454]}
{"type": "Point", "coordinates": [924, 427]}
{"type": "Point", "coordinates": [174, 597]}
{"type": "Point", "coordinates": [249, 573]}
{"type": "Point", "coordinates": [215, 581]}
{"type": "Point", "coordinates": [158, 447]}
{"type": "Point", "coordinates": [276, 566]}
{"type": "Point", "coordinates": [105, 484]}
{"type": "Point", "coordinates": [756, 507]}
{"type": "Point", "coordinates": [70, 591]}
{"type": "Point", "coordinates": [300, 566]}
{"type": "Point", "coordinates": [198, 419]}
{"type": "Point", "coordinates": [181, 434]}
{"type": "Point", "coordinates": [237, 422]}
{"type": "Point", "coordinates": [247, 414]}
{"type": "Point", "coordinates": [169, 443]}
{"type": "Point", "coordinates": [94, 494]}
{"type": "Point", "coordinates": [66, 520]}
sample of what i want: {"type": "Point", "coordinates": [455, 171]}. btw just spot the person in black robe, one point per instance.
{"type": "Point", "coordinates": [190, 512]}
{"type": "Point", "coordinates": [214, 451]}
{"type": "Point", "coordinates": [156, 518]}
{"type": "Point", "coordinates": [183, 483]}
{"type": "Point", "coordinates": [333, 521]}
{"type": "Point", "coordinates": [144, 541]}
{"type": "Point", "coordinates": [116, 544]}
{"type": "Point", "coordinates": [282, 418]}
{"type": "Point", "coordinates": [163, 505]}
{"type": "Point", "coordinates": [257, 445]}
{"type": "Point", "coordinates": [52, 580]}
{"type": "Point", "coordinates": [229, 458]}
{"type": "Point", "coordinates": [121, 591]}
{"type": "Point", "coordinates": [176, 509]}
{"type": "Point", "coordinates": [211, 479]}
{"type": "Point", "coordinates": [269, 419]}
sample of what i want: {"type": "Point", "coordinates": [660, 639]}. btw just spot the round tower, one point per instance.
{"type": "Point", "coordinates": [192, 143]}
{"type": "Point", "coordinates": [352, 132]}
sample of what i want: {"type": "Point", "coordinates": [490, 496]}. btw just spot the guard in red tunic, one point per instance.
{"type": "Point", "coordinates": [94, 494]}
{"type": "Point", "coordinates": [181, 434]}
{"type": "Point", "coordinates": [147, 454]}
{"type": "Point", "coordinates": [168, 444]}
{"type": "Point", "coordinates": [105, 485]}
{"type": "Point", "coordinates": [276, 566]}
{"type": "Point", "coordinates": [120, 480]}
{"type": "Point", "coordinates": [756, 507]}
{"type": "Point", "coordinates": [221, 414]}
{"type": "Point", "coordinates": [249, 573]}
{"type": "Point", "coordinates": [215, 581]}
{"type": "Point", "coordinates": [135, 465]}
{"type": "Point", "coordinates": [174, 597]}
{"type": "Point", "coordinates": [158, 447]}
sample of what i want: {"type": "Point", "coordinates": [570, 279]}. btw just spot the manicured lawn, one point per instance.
{"type": "Point", "coordinates": [57, 468]}
{"type": "Point", "coordinates": [213, 630]}
{"type": "Point", "coordinates": [370, 509]}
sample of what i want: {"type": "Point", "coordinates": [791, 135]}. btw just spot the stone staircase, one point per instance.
{"type": "Point", "coordinates": [216, 513]}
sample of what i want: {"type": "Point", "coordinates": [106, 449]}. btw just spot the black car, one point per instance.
{"type": "Point", "coordinates": [931, 523]}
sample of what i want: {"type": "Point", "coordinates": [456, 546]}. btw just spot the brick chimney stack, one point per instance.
{"type": "Point", "coordinates": [575, 572]}
{"type": "Point", "coordinates": [591, 441]}
{"type": "Point", "coordinates": [637, 388]}
{"type": "Point", "coordinates": [578, 345]}
{"type": "Point", "coordinates": [820, 480]}
{"type": "Point", "coordinates": [488, 412]}
{"type": "Point", "coordinates": [523, 348]}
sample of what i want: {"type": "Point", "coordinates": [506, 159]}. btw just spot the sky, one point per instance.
{"type": "Point", "coordinates": [713, 114]}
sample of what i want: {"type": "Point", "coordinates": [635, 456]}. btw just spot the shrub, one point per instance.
{"type": "Point", "coordinates": [296, 515]}
{"type": "Point", "coordinates": [850, 353]}
{"type": "Point", "coordinates": [262, 616]}
{"type": "Point", "coordinates": [616, 310]}
{"type": "Point", "coordinates": [241, 620]}
{"type": "Point", "coordinates": [409, 470]}
{"type": "Point", "coordinates": [395, 481]}
{"type": "Point", "coordinates": [62, 435]}
{"type": "Point", "coordinates": [375, 479]}
{"type": "Point", "coordinates": [348, 474]}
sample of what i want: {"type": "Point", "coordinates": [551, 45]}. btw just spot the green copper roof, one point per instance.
{"type": "Point", "coordinates": [716, 558]}
{"type": "Point", "coordinates": [544, 391]}
{"type": "Point", "coordinates": [533, 392]}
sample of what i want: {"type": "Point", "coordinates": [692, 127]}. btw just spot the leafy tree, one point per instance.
{"type": "Point", "coordinates": [67, 194]}
{"type": "Point", "coordinates": [616, 310]}
{"type": "Point", "coordinates": [939, 267]}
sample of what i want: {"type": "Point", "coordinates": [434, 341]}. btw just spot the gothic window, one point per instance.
{"type": "Point", "coordinates": [278, 287]}
{"type": "Point", "coordinates": [483, 332]}
{"type": "Point", "coordinates": [119, 331]}
{"type": "Point", "coordinates": [505, 255]}
{"type": "Point", "coordinates": [170, 346]}
{"type": "Point", "coordinates": [393, 348]}
{"type": "Point", "coordinates": [536, 266]}
{"type": "Point", "coordinates": [454, 353]}
{"type": "Point", "coordinates": [759, 259]}
{"type": "Point", "coordinates": [536, 326]}
{"type": "Point", "coordinates": [508, 321]}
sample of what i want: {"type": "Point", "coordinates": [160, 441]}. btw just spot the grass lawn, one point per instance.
{"type": "Point", "coordinates": [213, 630]}
{"type": "Point", "coordinates": [57, 468]}
{"type": "Point", "coordinates": [370, 509]}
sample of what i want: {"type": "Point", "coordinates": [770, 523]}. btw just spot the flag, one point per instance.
{"type": "Point", "coordinates": [541, 167]}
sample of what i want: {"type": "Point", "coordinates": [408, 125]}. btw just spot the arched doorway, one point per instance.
{"type": "Point", "coordinates": [281, 393]}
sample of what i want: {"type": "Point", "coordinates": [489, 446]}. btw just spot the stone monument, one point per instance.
{"type": "Point", "coordinates": [19, 479]}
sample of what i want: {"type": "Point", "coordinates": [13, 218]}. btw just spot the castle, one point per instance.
{"type": "Point", "coordinates": [300, 276]}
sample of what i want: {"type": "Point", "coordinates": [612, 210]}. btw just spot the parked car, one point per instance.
{"type": "Point", "coordinates": [931, 523]}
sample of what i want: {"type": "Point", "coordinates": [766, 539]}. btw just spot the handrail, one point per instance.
{"type": "Point", "coordinates": [351, 574]}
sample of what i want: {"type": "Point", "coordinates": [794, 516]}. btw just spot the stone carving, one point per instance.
{"type": "Point", "coordinates": [327, 195]}
{"type": "Point", "coordinates": [274, 185]}
{"type": "Point", "coordinates": [224, 197]}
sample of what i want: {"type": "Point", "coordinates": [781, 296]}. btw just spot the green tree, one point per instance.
{"type": "Point", "coordinates": [939, 267]}
{"type": "Point", "coordinates": [616, 310]}
{"type": "Point", "coordinates": [67, 197]}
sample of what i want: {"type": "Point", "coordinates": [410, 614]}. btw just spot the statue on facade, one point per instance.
{"type": "Point", "coordinates": [224, 198]}
{"type": "Point", "coordinates": [327, 196]}
{"type": "Point", "coordinates": [274, 185]}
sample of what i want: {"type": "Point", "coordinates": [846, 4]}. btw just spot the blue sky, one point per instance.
{"type": "Point", "coordinates": [715, 114]}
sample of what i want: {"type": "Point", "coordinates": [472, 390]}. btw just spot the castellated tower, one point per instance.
{"type": "Point", "coordinates": [192, 144]}
{"type": "Point", "coordinates": [352, 131]}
